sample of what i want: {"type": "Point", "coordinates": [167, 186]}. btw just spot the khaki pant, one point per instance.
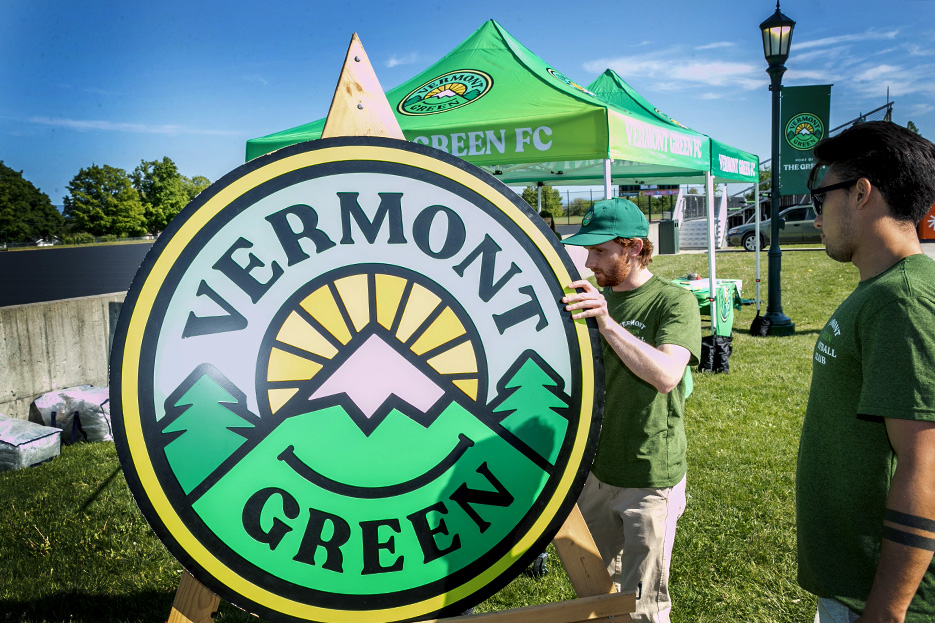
{"type": "Point", "coordinates": [634, 530]}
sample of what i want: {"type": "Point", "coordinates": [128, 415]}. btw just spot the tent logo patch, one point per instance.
{"type": "Point", "coordinates": [446, 92]}
{"type": "Point", "coordinates": [344, 387]}
{"type": "Point", "coordinates": [566, 80]}
{"type": "Point", "coordinates": [804, 131]}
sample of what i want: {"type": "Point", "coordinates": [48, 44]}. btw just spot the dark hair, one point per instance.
{"type": "Point", "coordinates": [646, 255]}
{"type": "Point", "coordinates": [545, 214]}
{"type": "Point", "coordinates": [897, 161]}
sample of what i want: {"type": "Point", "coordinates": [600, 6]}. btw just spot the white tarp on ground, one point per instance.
{"type": "Point", "coordinates": [23, 444]}
{"type": "Point", "coordinates": [59, 409]}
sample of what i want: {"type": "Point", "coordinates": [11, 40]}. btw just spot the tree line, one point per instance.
{"type": "Point", "coordinates": [102, 201]}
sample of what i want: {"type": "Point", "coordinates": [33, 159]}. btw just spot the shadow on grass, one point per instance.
{"type": "Point", "coordinates": [79, 607]}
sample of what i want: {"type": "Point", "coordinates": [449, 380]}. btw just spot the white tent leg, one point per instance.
{"type": "Point", "coordinates": [539, 197]}
{"type": "Point", "coordinates": [721, 221]}
{"type": "Point", "coordinates": [679, 206]}
{"type": "Point", "coordinates": [712, 281]}
{"type": "Point", "coordinates": [607, 178]}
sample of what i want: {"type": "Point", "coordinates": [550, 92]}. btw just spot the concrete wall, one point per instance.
{"type": "Point", "coordinates": [47, 346]}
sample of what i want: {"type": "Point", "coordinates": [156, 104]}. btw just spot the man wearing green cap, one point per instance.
{"type": "Point", "coordinates": [652, 331]}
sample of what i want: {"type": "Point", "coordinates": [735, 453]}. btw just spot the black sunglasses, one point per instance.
{"type": "Point", "coordinates": [818, 195]}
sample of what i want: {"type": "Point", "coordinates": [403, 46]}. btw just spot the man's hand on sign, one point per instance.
{"type": "Point", "coordinates": [591, 303]}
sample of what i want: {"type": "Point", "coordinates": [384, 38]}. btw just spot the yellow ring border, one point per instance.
{"type": "Point", "coordinates": [132, 355]}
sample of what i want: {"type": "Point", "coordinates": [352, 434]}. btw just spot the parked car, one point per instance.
{"type": "Point", "coordinates": [797, 225]}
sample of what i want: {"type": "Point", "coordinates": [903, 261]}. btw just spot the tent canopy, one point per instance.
{"type": "Point", "coordinates": [494, 103]}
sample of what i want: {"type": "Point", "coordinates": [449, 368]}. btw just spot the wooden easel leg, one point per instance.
{"type": "Point", "coordinates": [580, 557]}
{"type": "Point", "coordinates": [193, 602]}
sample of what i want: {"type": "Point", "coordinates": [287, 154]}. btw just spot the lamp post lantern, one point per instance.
{"type": "Point", "coordinates": [777, 34]}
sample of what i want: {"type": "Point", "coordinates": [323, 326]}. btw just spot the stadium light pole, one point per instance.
{"type": "Point", "coordinates": [777, 35]}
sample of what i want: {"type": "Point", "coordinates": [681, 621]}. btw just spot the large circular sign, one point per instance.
{"type": "Point", "coordinates": [344, 387]}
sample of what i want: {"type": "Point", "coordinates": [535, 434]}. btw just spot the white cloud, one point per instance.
{"type": "Point", "coordinates": [111, 126]}
{"type": "Point", "coordinates": [841, 39]}
{"type": "Point", "coordinates": [873, 80]}
{"type": "Point", "coordinates": [717, 45]}
{"type": "Point", "coordinates": [671, 74]}
{"type": "Point", "coordinates": [408, 59]}
{"type": "Point", "coordinates": [915, 49]}
{"type": "Point", "coordinates": [256, 78]}
{"type": "Point", "coordinates": [921, 109]}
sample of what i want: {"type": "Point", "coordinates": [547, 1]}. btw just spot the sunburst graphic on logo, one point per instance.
{"type": "Point", "coordinates": [931, 222]}
{"type": "Point", "coordinates": [366, 335]}
{"type": "Point", "coordinates": [447, 90]}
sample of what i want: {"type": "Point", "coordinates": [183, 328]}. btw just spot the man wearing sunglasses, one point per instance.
{"type": "Point", "coordinates": [865, 479]}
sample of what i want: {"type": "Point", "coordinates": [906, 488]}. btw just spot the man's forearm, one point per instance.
{"type": "Point", "coordinates": [908, 544]}
{"type": "Point", "coordinates": [660, 369]}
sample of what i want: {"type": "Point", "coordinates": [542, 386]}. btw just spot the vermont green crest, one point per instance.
{"type": "Point", "coordinates": [344, 388]}
{"type": "Point", "coordinates": [446, 92]}
{"type": "Point", "coordinates": [804, 131]}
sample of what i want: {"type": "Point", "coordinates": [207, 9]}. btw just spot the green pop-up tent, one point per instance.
{"type": "Point", "coordinates": [494, 103]}
{"type": "Point", "coordinates": [728, 164]}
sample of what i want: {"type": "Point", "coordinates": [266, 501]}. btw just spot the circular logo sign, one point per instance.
{"type": "Point", "coordinates": [565, 79]}
{"type": "Point", "coordinates": [446, 92]}
{"type": "Point", "coordinates": [804, 131]}
{"type": "Point", "coordinates": [344, 387]}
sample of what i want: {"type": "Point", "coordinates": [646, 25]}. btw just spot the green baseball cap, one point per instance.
{"type": "Point", "coordinates": [608, 219]}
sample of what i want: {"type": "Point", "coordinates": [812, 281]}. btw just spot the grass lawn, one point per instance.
{"type": "Point", "coordinates": [74, 547]}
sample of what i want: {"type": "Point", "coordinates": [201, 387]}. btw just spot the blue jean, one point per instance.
{"type": "Point", "coordinates": [833, 611]}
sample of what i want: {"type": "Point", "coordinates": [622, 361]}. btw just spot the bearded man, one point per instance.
{"type": "Point", "coordinates": [635, 492]}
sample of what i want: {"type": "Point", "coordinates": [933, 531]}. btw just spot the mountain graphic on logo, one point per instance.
{"type": "Point", "coordinates": [445, 93]}
{"type": "Point", "coordinates": [374, 380]}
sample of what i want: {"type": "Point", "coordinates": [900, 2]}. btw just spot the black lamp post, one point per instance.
{"type": "Point", "coordinates": [777, 34]}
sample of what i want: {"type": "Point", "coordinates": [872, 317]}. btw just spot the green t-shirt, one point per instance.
{"type": "Point", "coordinates": [874, 359]}
{"type": "Point", "coordinates": [643, 440]}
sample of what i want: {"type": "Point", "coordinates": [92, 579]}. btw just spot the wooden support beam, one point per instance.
{"type": "Point", "coordinates": [193, 602]}
{"type": "Point", "coordinates": [590, 609]}
{"type": "Point", "coordinates": [580, 557]}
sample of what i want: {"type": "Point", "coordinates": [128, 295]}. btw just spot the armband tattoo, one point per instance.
{"type": "Point", "coordinates": [910, 521]}
{"type": "Point", "coordinates": [908, 538]}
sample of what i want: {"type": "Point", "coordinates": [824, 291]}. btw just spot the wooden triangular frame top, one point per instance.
{"type": "Point", "coordinates": [360, 108]}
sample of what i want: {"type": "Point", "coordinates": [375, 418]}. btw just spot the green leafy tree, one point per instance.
{"type": "Point", "coordinates": [579, 206]}
{"type": "Point", "coordinates": [26, 213]}
{"type": "Point", "coordinates": [551, 199]}
{"type": "Point", "coordinates": [102, 201]}
{"type": "Point", "coordinates": [163, 191]}
{"type": "Point", "coordinates": [912, 126]}
{"type": "Point", "coordinates": [194, 185]}
{"type": "Point", "coordinates": [766, 176]}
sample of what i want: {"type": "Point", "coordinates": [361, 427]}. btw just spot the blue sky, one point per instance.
{"type": "Point", "coordinates": [115, 83]}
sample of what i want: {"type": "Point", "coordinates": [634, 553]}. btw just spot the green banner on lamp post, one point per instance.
{"type": "Point", "coordinates": [805, 112]}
